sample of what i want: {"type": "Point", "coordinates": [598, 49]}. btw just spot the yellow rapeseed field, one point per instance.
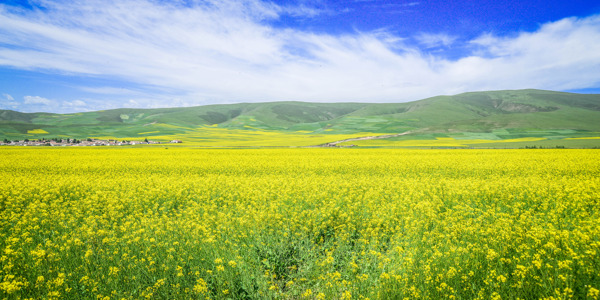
{"type": "Point", "coordinates": [183, 223]}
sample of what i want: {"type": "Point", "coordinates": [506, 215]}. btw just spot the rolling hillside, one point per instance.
{"type": "Point", "coordinates": [483, 115]}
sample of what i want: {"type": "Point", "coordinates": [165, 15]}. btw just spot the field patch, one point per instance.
{"type": "Point", "coordinates": [37, 131]}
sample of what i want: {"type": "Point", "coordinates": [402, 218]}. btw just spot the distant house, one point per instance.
{"type": "Point", "coordinates": [176, 141]}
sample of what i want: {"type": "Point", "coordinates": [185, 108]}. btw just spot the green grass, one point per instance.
{"type": "Point", "coordinates": [556, 143]}
{"type": "Point", "coordinates": [478, 115]}
{"type": "Point", "coordinates": [483, 141]}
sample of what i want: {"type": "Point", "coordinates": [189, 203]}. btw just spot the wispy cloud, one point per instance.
{"type": "Point", "coordinates": [8, 102]}
{"type": "Point", "coordinates": [226, 51]}
{"type": "Point", "coordinates": [7, 97]}
{"type": "Point", "coordinates": [36, 100]}
{"type": "Point", "coordinates": [390, 7]}
{"type": "Point", "coordinates": [413, 3]}
{"type": "Point", "coordinates": [39, 104]}
{"type": "Point", "coordinates": [560, 55]}
{"type": "Point", "coordinates": [304, 11]}
{"type": "Point", "coordinates": [107, 90]}
{"type": "Point", "coordinates": [432, 40]}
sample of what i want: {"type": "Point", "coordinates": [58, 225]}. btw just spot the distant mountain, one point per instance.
{"type": "Point", "coordinates": [507, 113]}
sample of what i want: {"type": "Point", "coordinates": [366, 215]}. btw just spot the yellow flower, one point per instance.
{"type": "Point", "coordinates": [346, 295]}
{"type": "Point", "coordinates": [593, 293]}
{"type": "Point", "coordinates": [232, 263]}
{"type": "Point", "coordinates": [200, 287]}
{"type": "Point", "coordinates": [10, 284]}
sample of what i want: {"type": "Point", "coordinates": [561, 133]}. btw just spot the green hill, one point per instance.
{"type": "Point", "coordinates": [485, 115]}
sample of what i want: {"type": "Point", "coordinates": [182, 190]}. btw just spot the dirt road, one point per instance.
{"type": "Point", "coordinates": [375, 137]}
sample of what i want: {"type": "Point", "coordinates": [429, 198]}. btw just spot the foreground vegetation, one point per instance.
{"type": "Point", "coordinates": [299, 223]}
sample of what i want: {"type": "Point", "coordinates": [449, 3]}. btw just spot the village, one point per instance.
{"type": "Point", "coordinates": [76, 142]}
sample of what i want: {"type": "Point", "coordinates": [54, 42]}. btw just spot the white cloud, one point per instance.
{"type": "Point", "coordinates": [432, 40]}
{"type": "Point", "coordinates": [226, 51]}
{"type": "Point", "coordinates": [36, 100]}
{"type": "Point", "coordinates": [37, 104]}
{"type": "Point", "coordinates": [75, 104]}
{"type": "Point", "coordinates": [304, 10]}
{"type": "Point", "coordinates": [132, 103]}
{"type": "Point", "coordinates": [560, 55]}
{"type": "Point", "coordinates": [8, 102]}
{"type": "Point", "coordinates": [8, 97]}
{"type": "Point", "coordinates": [107, 90]}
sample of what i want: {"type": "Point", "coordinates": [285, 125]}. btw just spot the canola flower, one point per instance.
{"type": "Point", "coordinates": [184, 223]}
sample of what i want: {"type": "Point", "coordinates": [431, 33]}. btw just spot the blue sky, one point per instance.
{"type": "Point", "coordinates": [82, 55]}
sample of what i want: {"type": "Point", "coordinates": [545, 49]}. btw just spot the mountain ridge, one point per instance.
{"type": "Point", "coordinates": [479, 112]}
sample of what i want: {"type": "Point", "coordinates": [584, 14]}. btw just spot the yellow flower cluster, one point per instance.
{"type": "Point", "coordinates": [181, 223]}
